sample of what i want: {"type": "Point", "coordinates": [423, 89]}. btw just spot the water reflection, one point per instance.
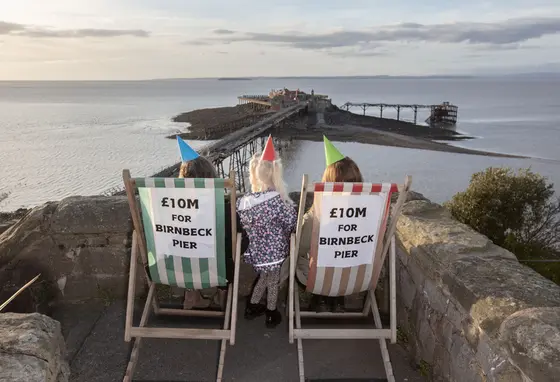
{"type": "Point", "coordinates": [437, 175]}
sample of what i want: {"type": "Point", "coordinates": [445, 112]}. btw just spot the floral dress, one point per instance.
{"type": "Point", "coordinates": [268, 221]}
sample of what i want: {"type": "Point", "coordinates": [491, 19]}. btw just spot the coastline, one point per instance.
{"type": "Point", "coordinates": [339, 125]}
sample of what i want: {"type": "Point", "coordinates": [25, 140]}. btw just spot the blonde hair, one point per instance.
{"type": "Point", "coordinates": [265, 175]}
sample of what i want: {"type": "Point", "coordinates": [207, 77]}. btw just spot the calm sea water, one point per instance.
{"type": "Point", "coordinates": [74, 138]}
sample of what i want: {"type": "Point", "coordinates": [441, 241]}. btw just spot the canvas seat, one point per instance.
{"type": "Point", "coordinates": [179, 236]}
{"type": "Point", "coordinates": [352, 262]}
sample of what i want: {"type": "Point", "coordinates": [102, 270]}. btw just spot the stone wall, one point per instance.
{"type": "Point", "coordinates": [467, 308]}
{"type": "Point", "coordinates": [80, 245]}
{"type": "Point", "coordinates": [31, 349]}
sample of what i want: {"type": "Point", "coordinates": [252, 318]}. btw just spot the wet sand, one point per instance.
{"type": "Point", "coordinates": [215, 123]}
{"type": "Point", "coordinates": [351, 133]}
{"type": "Point", "coordinates": [339, 125]}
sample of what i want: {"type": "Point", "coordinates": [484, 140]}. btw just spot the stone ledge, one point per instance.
{"type": "Point", "coordinates": [470, 306]}
{"type": "Point", "coordinates": [532, 340]}
{"type": "Point", "coordinates": [32, 349]}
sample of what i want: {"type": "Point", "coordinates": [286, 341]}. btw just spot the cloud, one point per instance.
{"type": "Point", "coordinates": [13, 29]}
{"type": "Point", "coordinates": [223, 31]}
{"type": "Point", "coordinates": [504, 47]}
{"type": "Point", "coordinates": [6, 28]}
{"type": "Point", "coordinates": [506, 32]}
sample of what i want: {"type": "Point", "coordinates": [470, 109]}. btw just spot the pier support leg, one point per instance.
{"type": "Point", "coordinates": [398, 113]}
{"type": "Point", "coordinates": [415, 114]}
{"type": "Point", "coordinates": [364, 107]}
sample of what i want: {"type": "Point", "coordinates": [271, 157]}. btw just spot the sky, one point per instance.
{"type": "Point", "coordinates": [149, 39]}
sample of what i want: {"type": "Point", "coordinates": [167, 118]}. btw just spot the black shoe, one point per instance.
{"type": "Point", "coordinates": [253, 311]}
{"type": "Point", "coordinates": [322, 305]}
{"type": "Point", "coordinates": [337, 304]}
{"type": "Point", "coordinates": [273, 318]}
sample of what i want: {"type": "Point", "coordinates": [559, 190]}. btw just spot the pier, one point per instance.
{"type": "Point", "coordinates": [442, 114]}
{"type": "Point", "coordinates": [237, 148]}
{"type": "Point", "coordinates": [234, 151]}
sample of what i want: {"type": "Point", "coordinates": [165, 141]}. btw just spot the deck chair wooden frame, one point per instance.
{"type": "Point", "coordinates": [139, 249]}
{"type": "Point", "coordinates": [387, 244]}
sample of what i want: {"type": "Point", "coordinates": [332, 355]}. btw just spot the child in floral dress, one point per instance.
{"type": "Point", "coordinates": [269, 217]}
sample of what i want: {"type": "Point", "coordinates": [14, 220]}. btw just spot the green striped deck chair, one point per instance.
{"type": "Point", "coordinates": [179, 236]}
{"type": "Point", "coordinates": [352, 232]}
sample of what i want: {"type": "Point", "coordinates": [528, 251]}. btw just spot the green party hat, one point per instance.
{"type": "Point", "coordinates": [332, 155]}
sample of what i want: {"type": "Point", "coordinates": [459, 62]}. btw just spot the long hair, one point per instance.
{"type": "Point", "coordinates": [266, 175]}
{"type": "Point", "coordinates": [345, 171]}
{"type": "Point", "coordinates": [198, 168]}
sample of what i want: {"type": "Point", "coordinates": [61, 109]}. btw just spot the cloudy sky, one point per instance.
{"type": "Point", "coordinates": [144, 39]}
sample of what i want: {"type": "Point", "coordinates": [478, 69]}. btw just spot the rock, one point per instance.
{"type": "Point", "coordinates": [532, 339]}
{"type": "Point", "coordinates": [80, 246]}
{"type": "Point", "coordinates": [31, 349]}
{"type": "Point", "coordinates": [427, 231]}
{"type": "Point", "coordinates": [469, 306]}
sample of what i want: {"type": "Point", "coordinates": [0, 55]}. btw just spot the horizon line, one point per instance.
{"type": "Point", "coordinates": [249, 78]}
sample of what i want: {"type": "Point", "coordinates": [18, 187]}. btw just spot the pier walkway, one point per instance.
{"type": "Point", "coordinates": [442, 113]}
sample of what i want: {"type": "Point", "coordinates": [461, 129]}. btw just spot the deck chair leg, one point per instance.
{"type": "Point", "coordinates": [223, 346]}
{"type": "Point", "coordinates": [131, 287]}
{"type": "Point", "coordinates": [301, 367]}
{"type": "Point", "coordinates": [382, 341]}
{"type": "Point", "coordinates": [292, 291]}
{"type": "Point", "coordinates": [138, 341]}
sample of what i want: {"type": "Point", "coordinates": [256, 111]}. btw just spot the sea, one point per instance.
{"type": "Point", "coordinates": [59, 139]}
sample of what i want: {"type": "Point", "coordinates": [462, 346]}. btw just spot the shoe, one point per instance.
{"type": "Point", "coordinates": [337, 304]}
{"type": "Point", "coordinates": [322, 305]}
{"type": "Point", "coordinates": [273, 318]}
{"type": "Point", "coordinates": [253, 311]}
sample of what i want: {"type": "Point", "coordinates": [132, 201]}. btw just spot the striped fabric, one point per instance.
{"type": "Point", "coordinates": [191, 273]}
{"type": "Point", "coordinates": [332, 281]}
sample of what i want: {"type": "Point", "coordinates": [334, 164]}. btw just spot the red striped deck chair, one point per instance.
{"type": "Point", "coordinates": [181, 247]}
{"type": "Point", "coordinates": [351, 235]}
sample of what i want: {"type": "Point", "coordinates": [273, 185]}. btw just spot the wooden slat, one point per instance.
{"type": "Point", "coordinates": [332, 315]}
{"type": "Point", "coordinates": [131, 287]}
{"type": "Point", "coordinates": [223, 347]}
{"type": "Point", "coordinates": [393, 291]}
{"type": "Point", "coordinates": [134, 354]}
{"type": "Point", "coordinates": [227, 183]}
{"type": "Point", "coordinates": [355, 334]}
{"type": "Point", "coordinates": [382, 343]}
{"type": "Point", "coordinates": [195, 334]}
{"type": "Point", "coordinates": [190, 312]}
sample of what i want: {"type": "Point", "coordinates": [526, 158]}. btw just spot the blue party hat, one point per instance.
{"type": "Point", "coordinates": [187, 152]}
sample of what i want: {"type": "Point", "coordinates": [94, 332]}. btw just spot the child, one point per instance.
{"type": "Point", "coordinates": [195, 166]}
{"type": "Point", "coordinates": [340, 168]}
{"type": "Point", "coordinates": [269, 217]}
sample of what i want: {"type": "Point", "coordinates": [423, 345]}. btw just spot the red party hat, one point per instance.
{"type": "Point", "coordinates": [269, 154]}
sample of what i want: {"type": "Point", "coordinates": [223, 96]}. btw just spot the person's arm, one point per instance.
{"type": "Point", "coordinates": [305, 239]}
{"type": "Point", "coordinates": [240, 229]}
{"type": "Point", "coordinates": [288, 218]}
